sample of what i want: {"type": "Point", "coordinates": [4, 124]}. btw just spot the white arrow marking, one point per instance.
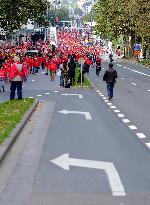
{"type": "Point", "coordinates": [87, 114]}
{"type": "Point", "coordinates": [79, 95]}
{"type": "Point", "coordinates": [64, 161]}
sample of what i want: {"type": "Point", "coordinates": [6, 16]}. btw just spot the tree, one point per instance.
{"type": "Point", "coordinates": [13, 14]}
{"type": "Point", "coordinates": [78, 11]}
{"type": "Point", "coordinates": [61, 13]}
{"type": "Point", "coordinates": [123, 17]}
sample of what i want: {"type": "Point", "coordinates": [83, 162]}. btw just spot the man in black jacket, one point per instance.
{"type": "Point", "coordinates": [72, 67]}
{"type": "Point", "coordinates": [110, 76]}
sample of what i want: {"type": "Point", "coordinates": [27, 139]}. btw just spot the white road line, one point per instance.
{"type": "Point", "coordinates": [148, 90]}
{"type": "Point", "coordinates": [106, 101]}
{"type": "Point", "coordinates": [122, 78]}
{"type": "Point", "coordinates": [116, 111]}
{"type": "Point", "coordinates": [39, 95]}
{"type": "Point", "coordinates": [104, 98]}
{"type": "Point", "coordinates": [125, 120]}
{"type": "Point", "coordinates": [148, 145]}
{"type": "Point", "coordinates": [47, 93]}
{"type": "Point", "coordinates": [116, 186]}
{"type": "Point", "coordinates": [133, 83]}
{"type": "Point", "coordinates": [31, 97]}
{"type": "Point", "coordinates": [109, 103]}
{"type": "Point", "coordinates": [56, 91]}
{"type": "Point", "coordinates": [125, 67]}
{"type": "Point", "coordinates": [121, 115]}
{"type": "Point", "coordinates": [98, 91]}
{"type": "Point", "coordinates": [132, 127]}
{"type": "Point", "coordinates": [141, 135]}
{"type": "Point", "coordinates": [86, 114]}
{"type": "Point", "coordinates": [113, 107]}
{"type": "Point", "coordinates": [33, 80]}
{"type": "Point", "coordinates": [102, 95]}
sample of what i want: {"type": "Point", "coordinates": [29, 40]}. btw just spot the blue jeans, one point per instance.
{"type": "Point", "coordinates": [61, 80]}
{"type": "Point", "coordinates": [16, 85]}
{"type": "Point", "coordinates": [1, 84]}
{"type": "Point", "coordinates": [110, 87]}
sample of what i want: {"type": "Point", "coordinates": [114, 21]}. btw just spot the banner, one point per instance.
{"type": "Point", "coordinates": [53, 36]}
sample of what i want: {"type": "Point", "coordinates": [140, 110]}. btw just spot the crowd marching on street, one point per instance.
{"type": "Point", "coordinates": [17, 62]}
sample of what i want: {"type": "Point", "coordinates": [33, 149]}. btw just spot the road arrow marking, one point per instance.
{"type": "Point", "coordinates": [79, 95]}
{"type": "Point", "coordinates": [86, 114]}
{"type": "Point", "coordinates": [64, 161]}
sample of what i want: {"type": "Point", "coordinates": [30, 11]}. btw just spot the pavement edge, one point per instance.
{"type": "Point", "coordinates": [7, 144]}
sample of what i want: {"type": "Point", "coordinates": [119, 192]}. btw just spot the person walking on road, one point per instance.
{"type": "Point", "coordinates": [110, 76]}
{"type": "Point", "coordinates": [98, 65]}
{"type": "Point", "coordinates": [16, 75]}
{"type": "Point", "coordinates": [72, 67]}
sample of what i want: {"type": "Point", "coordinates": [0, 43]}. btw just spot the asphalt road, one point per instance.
{"type": "Point", "coordinates": [109, 164]}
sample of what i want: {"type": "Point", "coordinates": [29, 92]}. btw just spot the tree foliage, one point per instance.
{"type": "Point", "coordinates": [62, 13]}
{"type": "Point", "coordinates": [15, 13]}
{"type": "Point", "coordinates": [78, 11]}
{"type": "Point", "coordinates": [115, 17]}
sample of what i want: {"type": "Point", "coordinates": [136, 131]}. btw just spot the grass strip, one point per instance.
{"type": "Point", "coordinates": [86, 83]}
{"type": "Point", "coordinates": [11, 113]}
{"type": "Point", "coordinates": [145, 62]}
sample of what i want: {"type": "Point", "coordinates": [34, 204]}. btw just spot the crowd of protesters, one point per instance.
{"type": "Point", "coordinates": [17, 62]}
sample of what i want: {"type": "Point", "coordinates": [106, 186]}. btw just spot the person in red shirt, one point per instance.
{"type": "Point", "coordinates": [98, 65]}
{"type": "Point", "coordinates": [52, 68]}
{"type": "Point", "coordinates": [35, 65]}
{"type": "Point", "coordinates": [2, 78]}
{"type": "Point", "coordinates": [16, 76]}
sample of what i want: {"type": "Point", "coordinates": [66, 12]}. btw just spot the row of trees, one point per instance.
{"type": "Point", "coordinates": [129, 18]}
{"type": "Point", "coordinates": [15, 13]}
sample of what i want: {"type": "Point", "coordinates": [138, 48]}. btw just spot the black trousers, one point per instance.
{"type": "Point", "coordinates": [16, 85]}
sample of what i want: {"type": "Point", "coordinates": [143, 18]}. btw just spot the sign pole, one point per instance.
{"type": "Point", "coordinates": [81, 72]}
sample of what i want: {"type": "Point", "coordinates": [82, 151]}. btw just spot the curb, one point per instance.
{"type": "Point", "coordinates": [7, 144]}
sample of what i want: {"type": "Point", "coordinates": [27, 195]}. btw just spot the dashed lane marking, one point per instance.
{"type": "Point", "coordinates": [122, 78]}
{"type": "Point", "coordinates": [148, 90]}
{"type": "Point", "coordinates": [56, 91]}
{"type": "Point", "coordinates": [31, 97]}
{"type": "Point", "coordinates": [148, 145]}
{"type": "Point", "coordinates": [125, 120]}
{"type": "Point", "coordinates": [133, 83]}
{"type": "Point", "coordinates": [39, 95]}
{"type": "Point", "coordinates": [116, 111]}
{"type": "Point", "coordinates": [109, 103]}
{"type": "Point", "coordinates": [132, 127]}
{"type": "Point", "coordinates": [113, 107]}
{"type": "Point", "coordinates": [121, 115]}
{"type": "Point", "coordinates": [47, 93]}
{"type": "Point", "coordinates": [141, 135]}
